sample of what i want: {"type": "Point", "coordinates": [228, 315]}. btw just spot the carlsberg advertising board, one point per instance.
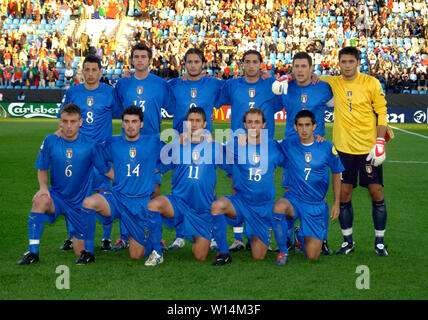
{"type": "Point", "coordinates": [30, 110]}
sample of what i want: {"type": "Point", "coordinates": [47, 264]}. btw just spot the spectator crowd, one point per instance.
{"type": "Point", "coordinates": [392, 37]}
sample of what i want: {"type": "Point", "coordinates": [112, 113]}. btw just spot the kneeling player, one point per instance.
{"type": "Point", "coordinates": [70, 158]}
{"type": "Point", "coordinates": [308, 162]}
{"type": "Point", "coordinates": [134, 157]}
{"type": "Point", "coordinates": [253, 180]}
{"type": "Point", "coordinates": [194, 167]}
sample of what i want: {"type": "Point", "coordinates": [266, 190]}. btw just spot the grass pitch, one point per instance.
{"type": "Point", "coordinates": [401, 275]}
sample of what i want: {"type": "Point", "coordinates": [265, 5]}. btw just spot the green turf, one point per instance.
{"type": "Point", "coordinates": [401, 275]}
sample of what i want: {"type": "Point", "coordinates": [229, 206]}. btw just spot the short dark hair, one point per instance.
{"type": "Point", "coordinates": [305, 114]}
{"type": "Point", "coordinates": [255, 52]}
{"type": "Point", "coordinates": [93, 59]}
{"type": "Point", "coordinates": [197, 110]}
{"type": "Point", "coordinates": [133, 110]}
{"type": "Point", "coordinates": [303, 55]}
{"type": "Point", "coordinates": [141, 46]}
{"type": "Point", "coordinates": [254, 111]}
{"type": "Point", "coordinates": [71, 108]}
{"type": "Point", "coordinates": [350, 50]}
{"type": "Point", "coordinates": [196, 51]}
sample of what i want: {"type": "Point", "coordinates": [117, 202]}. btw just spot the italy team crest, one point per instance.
{"type": "Point", "coordinates": [349, 94]}
{"type": "Point", "coordinates": [308, 157]}
{"type": "Point", "coordinates": [252, 93]}
{"type": "Point", "coordinates": [303, 98]}
{"type": "Point", "coordinates": [195, 155]}
{"type": "Point", "coordinates": [90, 101]}
{"type": "Point", "coordinates": [139, 90]}
{"type": "Point", "coordinates": [256, 158]}
{"type": "Point", "coordinates": [132, 152]}
{"type": "Point", "coordinates": [69, 153]}
{"type": "Point", "coordinates": [369, 169]}
{"type": "Point", "coordinates": [193, 93]}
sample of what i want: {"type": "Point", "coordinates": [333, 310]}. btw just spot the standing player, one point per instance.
{"type": "Point", "coordinates": [149, 92]}
{"type": "Point", "coordinates": [193, 185]}
{"type": "Point", "coordinates": [134, 157]}
{"type": "Point", "coordinates": [68, 158]}
{"type": "Point", "coordinates": [195, 91]}
{"type": "Point", "coordinates": [308, 162]}
{"type": "Point", "coordinates": [250, 91]}
{"type": "Point", "coordinates": [359, 136]}
{"type": "Point", "coordinates": [253, 180]}
{"type": "Point", "coordinates": [303, 94]}
{"type": "Point", "coordinates": [97, 103]}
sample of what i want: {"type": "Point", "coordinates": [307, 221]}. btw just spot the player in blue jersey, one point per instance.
{"type": "Point", "coordinates": [308, 162]}
{"type": "Point", "coordinates": [252, 203]}
{"type": "Point", "coordinates": [250, 91]}
{"type": "Point", "coordinates": [194, 167]}
{"type": "Point", "coordinates": [97, 103]}
{"type": "Point", "coordinates": [195, 91]}
{"type": "Point", "coordinates": [149, 92]}
{"type": "Point", "coordinates": [303, 94]}
{"type": "Point", "coordinates": [134, 157]}
{"type": "Point", "coordinates": [66, 160]}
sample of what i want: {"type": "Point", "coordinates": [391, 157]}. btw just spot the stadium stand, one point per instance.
{"type": "Point", "coordinates": [40, 39]}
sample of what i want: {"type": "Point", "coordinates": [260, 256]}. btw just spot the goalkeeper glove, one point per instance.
{"type": "Point", "coordinates": [377, 154]}
{"type": "Point", "coordinates": [280, 86]}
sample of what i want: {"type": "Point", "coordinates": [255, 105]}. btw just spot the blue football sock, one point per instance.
{"type": "Point", "coordinates": [123, 231]}
{"type": "Point", "coordinates": [220, 232]}
{"type": "Point", "coordinates": [279, 226]}
{"type": "Point", "coordinates": [301, 239]}
{"type": "Point", "coordinates": [36, 224]}
{"type": "Point", "coordinates": [89, 224]}
{"type": "Point", "coordinates": [107, 230]}
{"type": "Point", "coordinates": [379, 215]}
{"type": "Point", "coordinates": [155, 230]}
{"type": "Point", "coordinates": [238, 231]}
{"type": "Point", "coordinates": [346, 219]}
{"type": "Point", "coordinates": [290, 229]}
{"type": "Point", "coordinates": [326, 221]}
{"type": "Point", "coordinates": [179, 232]}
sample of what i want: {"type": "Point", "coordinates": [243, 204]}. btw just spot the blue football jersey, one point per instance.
{"type": "Point", "coordinates": [188, 94]}
{"type": "Point", "coordinates": [312, 97]}
{"type": "Point", "coordinates": [150, 94]}
{"type": "Point", "coordinates": [97, 108]}
{"type": "Point", "coordinates": [243, 95]}
{"type": "Point", "coordinates": [69, 164]}
{"type": "Point", "coordinates": [134, 164]}
{"type": "Point", "coordinates": [253, 169]}
{"type": "Point", "coordinates": [194, 168]}
{"type": "Point", "coordinates": [309, 176]}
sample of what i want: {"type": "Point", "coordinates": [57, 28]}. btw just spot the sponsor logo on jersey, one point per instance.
{"type": "Point", "coordinates": [90, 101]}
{"type": "Point", "coordinates": [132, 152]}
{"type": "Point", "coordinates": [308, 157]}
{"type": "Point", "coordinates": [333, 150]}
{"type": "Point", "coordinates": [193, 93]}
{"type": "Point", "coordinates": [303, 98]}
{"type": "Point", "coordinates": [69, 153]}
{"type": "Point", "coordinates": [139, 90]}
{"type": "Point", "coordinates": [252, 93]}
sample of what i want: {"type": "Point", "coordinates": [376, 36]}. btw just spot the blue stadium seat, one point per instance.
{"type": "Point", "coordinates": [405, 91]}
{"type": "Point", "coordinates": [414, 91]}
{"type": "Point", "coordinates": [422, 92]}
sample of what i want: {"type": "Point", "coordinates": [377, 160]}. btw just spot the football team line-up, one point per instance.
{"type": "Point", "coordinates": [94, 175]}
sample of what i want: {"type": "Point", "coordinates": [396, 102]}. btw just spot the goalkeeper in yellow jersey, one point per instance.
{"type": "Point", "coordinates": [359, 136]}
